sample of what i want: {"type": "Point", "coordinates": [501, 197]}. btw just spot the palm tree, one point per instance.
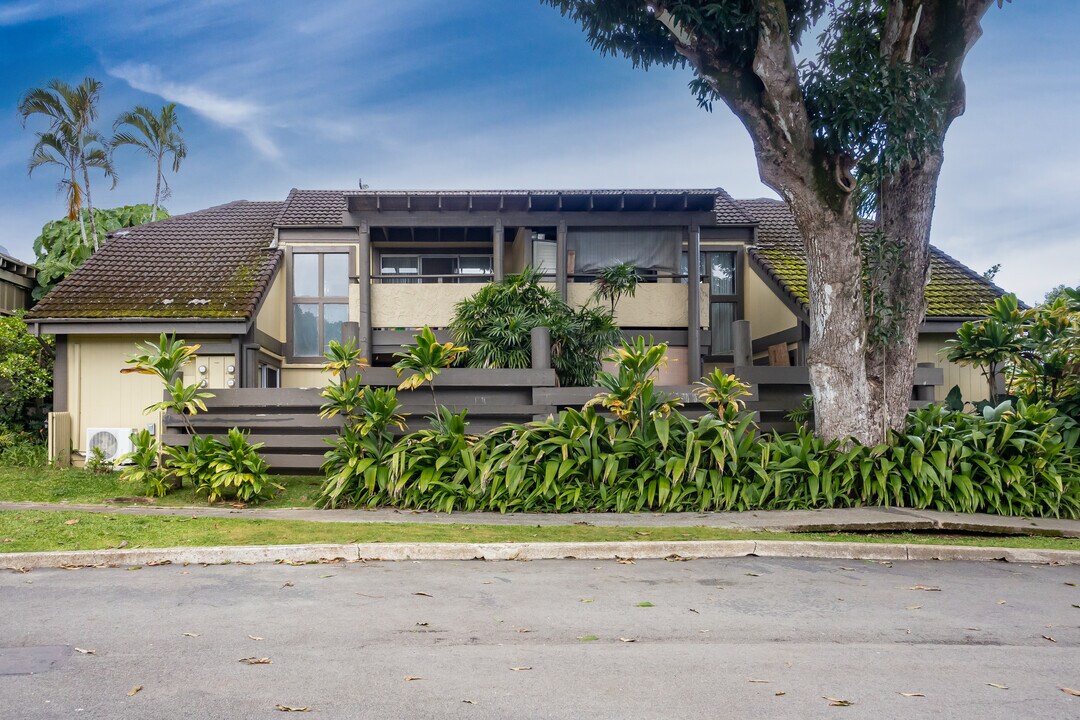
{"type": "Point", "coordinates": [71, 112]}
{"type": "Point", "coordinates": [157, 136]}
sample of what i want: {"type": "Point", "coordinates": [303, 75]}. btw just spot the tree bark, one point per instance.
{"type": "Point", "coordinates": [157, 191]}
{"type": "Point", "coordinates": [89, 200]}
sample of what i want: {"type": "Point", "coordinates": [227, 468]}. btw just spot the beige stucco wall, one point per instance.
{"type": "Point", "coordinates": [415, 305]}
{"type": "Point", "coordinates": [514, 261]}
{"type": "Point", "coordinates": [98, 395]}
{"type": "Point", "coordinates": [766, 312]}
{"type": "Point", "coordinates": [303, 377]}
{"type": "Point", "coordinates": [653, 304]}
{"type": "Point", "coordinates": [271, 317]}
{"type": "Point", "coordinates": [972, 384]}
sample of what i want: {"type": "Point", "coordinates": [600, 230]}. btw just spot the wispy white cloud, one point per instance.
{"type": "Point", "coordinates": [244, 116]}
{"type": "Point", "coordinates": [18, 13]}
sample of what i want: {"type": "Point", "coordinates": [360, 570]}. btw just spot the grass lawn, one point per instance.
{"type": "Point", "coordinates": [19, 484]}
{"type": "Point", "coordinates": [27, 530]}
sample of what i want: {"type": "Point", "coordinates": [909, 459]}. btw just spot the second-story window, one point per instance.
{"type": "Point", "coordinates": [320, 301]}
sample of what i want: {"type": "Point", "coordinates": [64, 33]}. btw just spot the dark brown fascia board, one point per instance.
{"type": "Point", "coordinates": [949, 325]}
{"type": "Point", "coordinates": [467, 218]}
{"type": "Point", "coordinates": [28, 282]}
{"type": "Point", "coordinates": [139, 326]}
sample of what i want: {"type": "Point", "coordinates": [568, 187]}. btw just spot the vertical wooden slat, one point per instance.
{"type": "Point", "coordinates": [59, 446]}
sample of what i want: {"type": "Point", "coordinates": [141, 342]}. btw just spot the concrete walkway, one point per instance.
{"type": "Point", "coordinates": [866, 519]}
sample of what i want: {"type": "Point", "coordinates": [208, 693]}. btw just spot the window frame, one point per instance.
{"type": "Point", "coordinates": [291, 299]}
{"type": "Point", "coordinates": [736, 299]}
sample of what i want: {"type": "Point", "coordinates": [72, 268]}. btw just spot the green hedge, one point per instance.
{"type": "Point", "coordinates": [1010, 461]}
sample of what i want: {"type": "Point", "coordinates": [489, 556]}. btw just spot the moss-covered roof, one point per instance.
{"type": "Point", "coordinates": [955, 290]}
{"type": "Point", "coordinates": [211, 264]}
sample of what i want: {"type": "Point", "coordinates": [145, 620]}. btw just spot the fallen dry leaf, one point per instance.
{"type": "Point", "coordinates": [753, 575]}
{"type": "Point", "coordinates": [422, 624]}
{"type": "Point", "coordinates": [191, 634]}
{"type": "Point", "coordinates": [627, 639]}
{"type": "Point", "coordinates": [135, 567]}
{"type": "Point", "coordinates": [122, 544]}
{"type": "Point", "coordinates": [524, 667]}
{"type": "Point", "coordinates": [255, 637]}
{"type": "Point", "coordinates": [524, 630]}
{"type": "Point", "coordinates": [422, 594]}
{"type": "Point", "coordinates": [156, 563]}
{"type": "Point", "coordinates": [256, 661]}
{"type": "Point", "coordinates": [998, 686]}
{"type": "Point", "coordinates": [587, 638]}
{"type": "Point", "coordinates": [913, 607]}
{"type": "Point", "coordinates": [586, 599]}
{"type": "Point", "coordinates": [1001, 602]}
{"type": "Point", "coordinates": [1070, 691]}
{"type": "Point", "coordinates": [72, 521]}
{"type": "Point", "coordinates": [413, 677]}
{"type": "Point", "coordinates": [1047, 637]}
{"type": "Point", "coordinates": [927, 588]}
{"type": "Point", "coordinates": [286, 708]}
{"type": "Point", "coordinates": [288, 584]}
{"type": "Point", "coordinates": [837, 702]}
{"type": "Point", "coordinates": [676, 558]}
{"type": "Point", "coordinates": [1071, 584]}
{"type": "Point", "coordinates": [132, 691]}
{"type": "Point", "coordinates": [624, 561]}
{"type": "Point", "coordinates": [757, 681]}
{"type": "Point", "coordinates": [469, 702]}
{"type": "Point", "coordinates": [778, 693]}
{"type": "Point", "coordinates": [85, 652]}
{"type": "Point", "coordinates": [911, 694]}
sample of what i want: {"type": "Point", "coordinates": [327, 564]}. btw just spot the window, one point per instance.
{"type": "Point", "coordinates": [320, 301]}
{"type": "Point", "coordinates": [269, 376]}
{"type": "Point", "coordinates": [721, 269]}
{"type": "Point", "coordinates": [435, 268]}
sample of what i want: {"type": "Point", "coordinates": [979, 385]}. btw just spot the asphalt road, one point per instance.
{"type": "Point", "coordinates": [739, 638]}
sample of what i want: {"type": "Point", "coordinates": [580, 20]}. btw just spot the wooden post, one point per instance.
{"type": "Point", "coordinates": [741, 344]}
{"type": "Point", "coordinates": [560, 259]}
{"type": "Point", "coordinates": [541, 348]}
{"type": "Point", "coordinates": [498, 247]}
{"type": "Point", "coordinates": [364, 279]}
{"type": "Point", "coordinates": [693, 305]}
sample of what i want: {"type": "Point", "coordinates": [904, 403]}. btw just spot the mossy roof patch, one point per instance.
{"type": "Point", "coordinates": [955, 290]}
{"type": "Point", "coordinates": [212, 264]}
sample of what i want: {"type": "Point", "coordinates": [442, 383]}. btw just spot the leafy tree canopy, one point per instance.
{"type": "Point", "coordinates": [25, 374]}
{"type": "Point", "coordinates": [60, 247]}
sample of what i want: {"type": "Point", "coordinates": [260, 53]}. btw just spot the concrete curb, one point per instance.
{"type": "Point", "coordinates": [703, 549]}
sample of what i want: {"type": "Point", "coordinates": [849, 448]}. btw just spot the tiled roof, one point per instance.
{"type": "Point", "coordinates": [955, 290]}
{"type": "Point", "coordinates": [313, 207]}
{"type": "Point", "coordinates": [728, 211]}
{"type": "Point", "coordinates": [214, 264]}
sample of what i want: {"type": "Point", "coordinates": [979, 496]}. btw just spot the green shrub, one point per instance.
{"type": "Point", "coordinates": [98, 464]}
{"type": "Point", "coordinates": [238, 472]}
{"type": "Point", "coordinates": [26, 368]}
{"type": "Point", "coordinates": [646, 455]}
{"type": "Point", "coordinates": [19, 448]}
{"type": "Point", "coordinates": [140, 466]}
{"type": "Point", "coordinates": [496, 322]}
{"type": "Point", "coordinates": [194, 462]}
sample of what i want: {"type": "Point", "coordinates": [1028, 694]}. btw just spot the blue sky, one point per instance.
{"type": "Point", "coordinates": [505, 94]}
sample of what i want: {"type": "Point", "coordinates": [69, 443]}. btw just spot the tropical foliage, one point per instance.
{"type": "Point", "coordinates": [156, 135]}
{"type": "Point", "coordinates": [141, 465]}
{"type": "Point", "coordinates": [236, 471]}
{"type": "Point", "coordinates": [166, 360]}
{"type": "Point", "coordinates": [497, 321]}
{"type": "Point", "coordinates": [26, 365]}
{"type": "Point", "coordinates": [70, 143]}
{"type": "Point", "coordinates": [425, 359]}
{"type": "Point", "coordinates": [1017, 459]}
{"type": "Point", "coordinates": [1036, 350]}
{"type": "Point", "coordinates": [61, 247]}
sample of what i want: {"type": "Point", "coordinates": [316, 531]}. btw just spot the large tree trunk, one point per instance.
{"type": "Point", "coordinates": [837, 351]}
{"type": "Point", "coordinates": [906, 210]}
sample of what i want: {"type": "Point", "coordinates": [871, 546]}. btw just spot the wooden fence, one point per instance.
{"type": "Point", "coordinates": [287, 420]}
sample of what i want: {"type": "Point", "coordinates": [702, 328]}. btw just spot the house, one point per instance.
{"type": "Point", "coordinates": [17, 282]}
{"type": "Point", "coordinates": [264, 286]}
